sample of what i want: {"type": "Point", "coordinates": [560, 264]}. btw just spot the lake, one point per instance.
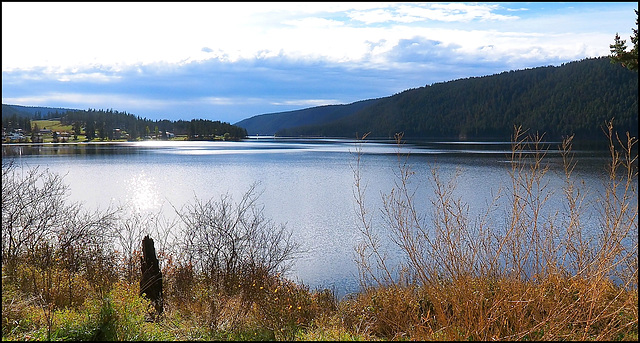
{"type": "Point", "coordinates": [307, 184]}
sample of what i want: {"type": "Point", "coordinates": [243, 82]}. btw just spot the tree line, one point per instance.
{"type": "Point", "coordinates": [574, 98]}
{"type": "Point", "coordinates": [14, 121]}
{"type": "Point", "coordinates": [103, 122]}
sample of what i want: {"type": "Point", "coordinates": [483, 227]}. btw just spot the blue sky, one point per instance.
{"type": "Point", "coordinates": [231, 61]}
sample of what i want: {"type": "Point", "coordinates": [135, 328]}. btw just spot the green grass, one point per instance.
{"type": "Point", "coordinates": [53, 125]}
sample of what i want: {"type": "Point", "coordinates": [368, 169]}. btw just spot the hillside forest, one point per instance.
{"type": "Point", "coordinates": [574, 98]}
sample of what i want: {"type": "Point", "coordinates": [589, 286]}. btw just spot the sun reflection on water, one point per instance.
{"type": "Point", "coordinates": [143, 192]}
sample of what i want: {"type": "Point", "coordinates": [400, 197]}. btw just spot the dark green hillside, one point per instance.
{"type": "Point", "coordinates": [269, 124]}
{"type": "Point", "coordinates": [32, 112]}
{"type": "Point", "coordinates": [8, 111]}
{"type": "Point", "coordinates": [576, 97]}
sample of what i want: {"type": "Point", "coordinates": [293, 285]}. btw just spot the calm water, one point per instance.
{"type": "Point", "coordinates": [306, 184]}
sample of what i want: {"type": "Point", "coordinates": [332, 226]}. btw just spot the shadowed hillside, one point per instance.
{"type": "Point", "coordinates": [32, 112]}
{"type": "Point", "coordinates": [574, 98]}
{"type": "Point", "coordinates": [269, 124]}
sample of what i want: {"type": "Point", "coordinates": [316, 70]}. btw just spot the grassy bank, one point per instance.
{"type": "Point", "coordinates": [65, 278]}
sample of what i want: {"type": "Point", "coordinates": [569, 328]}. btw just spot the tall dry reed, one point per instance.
{"type": "Point", "coordinates": [542, 275]}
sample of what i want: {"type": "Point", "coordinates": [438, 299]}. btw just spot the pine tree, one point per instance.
{"type": "Point", "coordinates": [619, 53]}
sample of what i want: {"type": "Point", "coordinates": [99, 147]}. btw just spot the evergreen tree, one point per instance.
{"type": "Point", "coordinates": [619, 53]}
{"type": "Point", "coordinates": [90, 130]}
{"type": "Point", "coordinates": [76, 129]}
{"type": "Point", "coordinates": [34, 132]}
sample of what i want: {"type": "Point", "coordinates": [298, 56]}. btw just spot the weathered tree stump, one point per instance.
{"type": "Point", "coordinates": [151, 280]}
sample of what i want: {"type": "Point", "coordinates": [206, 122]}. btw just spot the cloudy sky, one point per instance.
{"type": "Point", "coordinates": [231, 61]}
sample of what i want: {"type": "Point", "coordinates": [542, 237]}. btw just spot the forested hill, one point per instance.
{"type": "Point", "coordinates": [270, 123]}
{"type": "Point", "coordinates": [574, 98]}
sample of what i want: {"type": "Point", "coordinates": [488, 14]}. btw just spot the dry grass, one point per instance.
{"type": "Point", "coordinates": [536, 278]}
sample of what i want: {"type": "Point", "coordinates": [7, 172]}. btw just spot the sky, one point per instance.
{"type": "Point", "coordinates": [231, 61]}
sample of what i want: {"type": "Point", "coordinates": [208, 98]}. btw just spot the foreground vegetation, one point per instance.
{"type": "Point", "coordinates": [71, 274]}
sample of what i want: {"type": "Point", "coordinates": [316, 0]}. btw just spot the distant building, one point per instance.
{"type": "Point", "coordinates": [117, 134]}
{"type": "Point", "coordinates": [37, 137]}
{"type": "Point", "coordinates": [17, 137]}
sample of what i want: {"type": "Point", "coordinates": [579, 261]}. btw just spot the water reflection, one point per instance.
{"type": "Point", "coordinates": [143, 193]}
{"type": "Point", "coordinates": [50, 149]}
{"type": "Point", "coordinates": [274, 145]}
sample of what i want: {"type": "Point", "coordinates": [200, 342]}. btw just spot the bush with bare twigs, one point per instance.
{"type": "Point", "coordinates": [535, 278]}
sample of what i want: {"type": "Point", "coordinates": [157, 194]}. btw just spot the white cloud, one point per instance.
{"type": "Point", "coordinates": [242, 57]}
{"type": "Point", "coordinates": [465, 12]}
{"type": "Point", "coordinates": [72, 34]}
{"type": "Point", "coordinates": [87, 100]}
{"type": "Point", "coordinates": [218, 100]}
{"type": "Point", "coordinates": [55, 97]}
{"type": "Point", "coordinates": [408, 13]}
{"type": "Point", "coordinates": [517, 9]}
{"type": "Point", "coordinates": [374, 16]}
{"type": "Point", "coordinates": [134, 33]}
{"type": "Point", "coordinates": [313, 23]}
{"type": "Point", "coordinates": [88, 77]}
{"type": "Point", "coordinates": [306, 102]}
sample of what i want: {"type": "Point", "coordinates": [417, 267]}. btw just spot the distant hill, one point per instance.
{"type": "Point", "coordinates": [270, 123]}
{"type": "Point", "coordinates": [32, 112]}
{"type": "Point", "coordinates": [574, 98]}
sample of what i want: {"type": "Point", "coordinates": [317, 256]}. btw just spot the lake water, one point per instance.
{"type": "Point", "coordinates": [306, 184]}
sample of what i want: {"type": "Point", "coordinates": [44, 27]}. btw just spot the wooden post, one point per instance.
{"type": "Point", "coordinates": [151, 280]}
